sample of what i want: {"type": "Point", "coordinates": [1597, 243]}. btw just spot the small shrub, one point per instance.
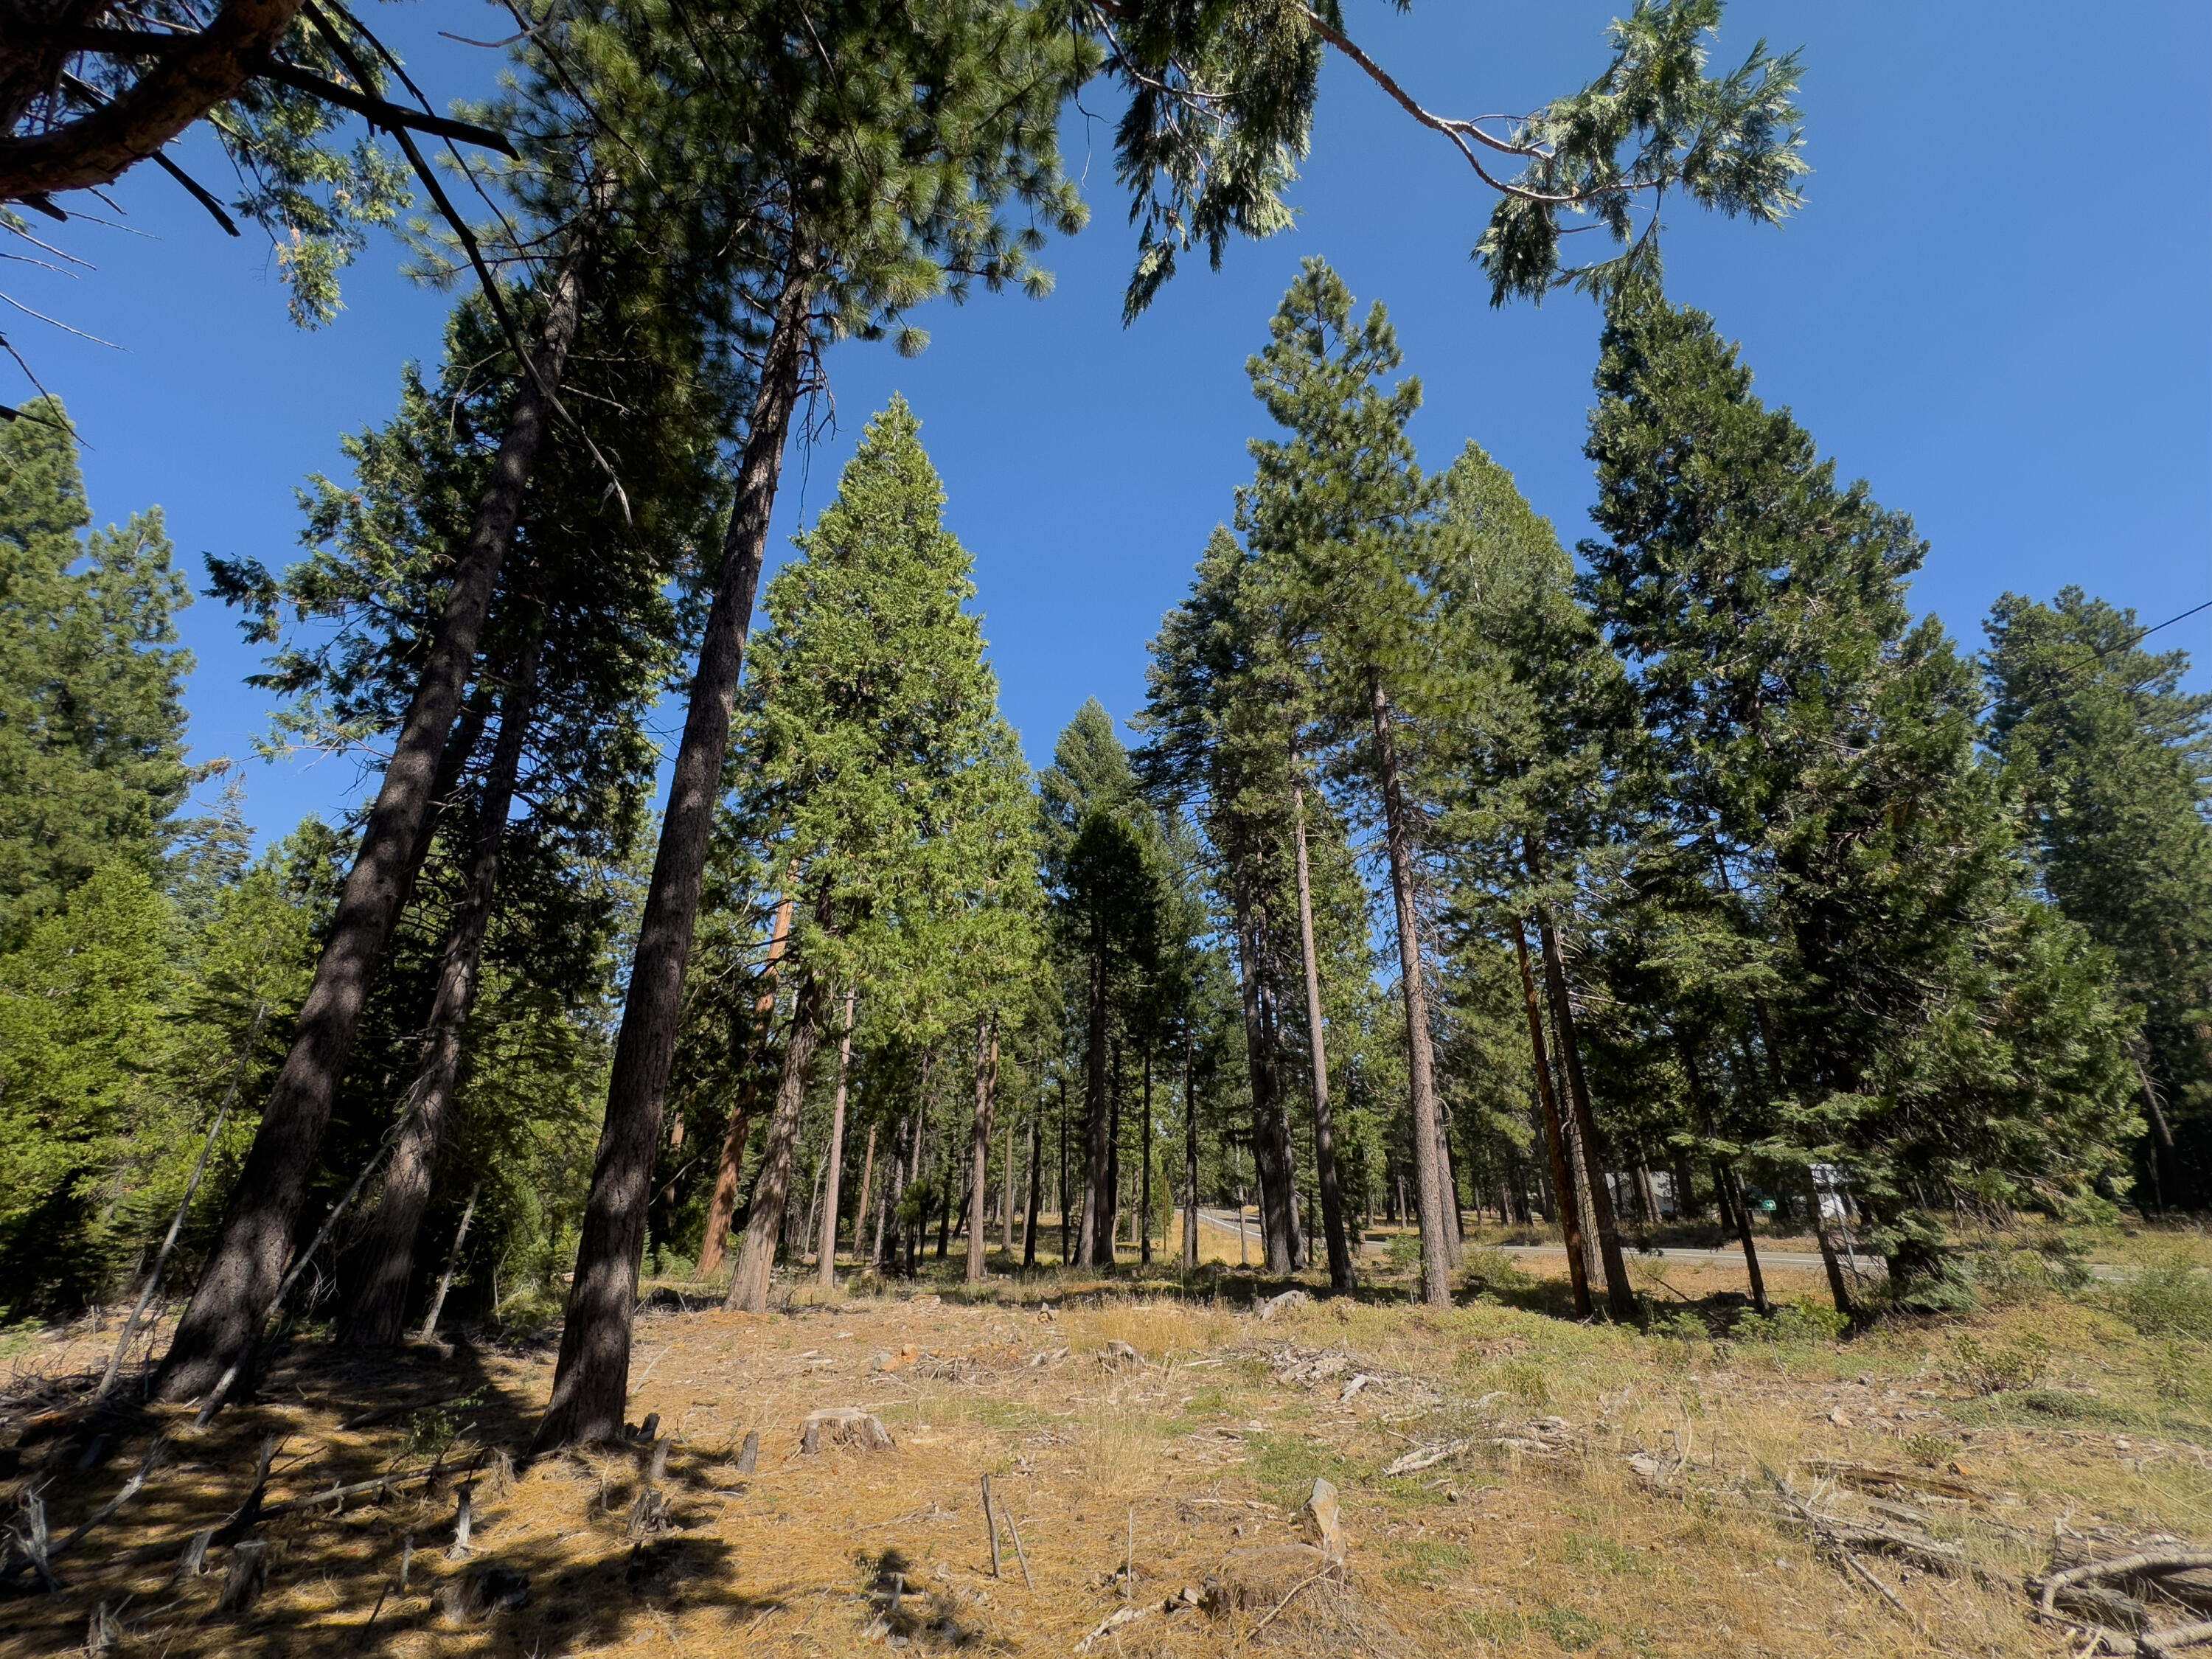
{"type": "Point", "coordinates": [1793, 1322]}
{"type": "Point", "coordinates": [1525, 1382]}
{"type": "Point", "coordinates": [432, 1430]}
{"type": "Point", "coordinates": [1930, 1451]}
{"type": "Point", "coordinates": [1494, 1269]}
{"type": "Point", "coordinates": [1405, 1252]}
{"type": "Point", "coordinates": [2172, 1297]}
{"type": "Point", "coordinates": [1987, 1370]}
{"type": "Point", "coordinates": [2180, 1377]}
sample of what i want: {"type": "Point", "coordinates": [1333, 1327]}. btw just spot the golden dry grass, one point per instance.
{"type": "Point", "coordinates": [1205, 1450]}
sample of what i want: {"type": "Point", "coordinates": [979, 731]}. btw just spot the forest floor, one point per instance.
{"type": "Point", "coordinates": [1708, 1487]}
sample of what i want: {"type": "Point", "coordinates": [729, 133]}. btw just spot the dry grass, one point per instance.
{"type": "Point", "coordinates": [1203, 1451]}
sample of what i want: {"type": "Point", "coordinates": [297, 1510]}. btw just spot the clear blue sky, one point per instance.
{"type": "Point", "coordinates": [1994, 307]}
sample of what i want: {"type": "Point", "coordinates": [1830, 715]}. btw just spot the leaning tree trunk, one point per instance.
{"type": "Point", "coordinates": [1332, 1200]}
{"type": "Point", "coordinates": [1562, 1183]}
{"type": "Point", "coordinates": [1619, 1295]}
{"type": "Point", "coordinates": [827, 1268]}
{"type": "Point", "coordinates": [250, 1257]}
{"type": "Point", "coordinates": [591, 1381]}
{"type": "Point", "coordinates": [722, 1203]}
{"type": "Point", "coordinates": [376, 1316]}
{"type": "Point", "coordinates": [1439, 1233]}
{"type": "Point", "coordinates": [772, 1190]}
{"type": "Point", "coordinates": [987, 1079]}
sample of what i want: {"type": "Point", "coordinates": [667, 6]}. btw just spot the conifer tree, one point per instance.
{"type": "Point", "coordinates": [92, 721]}
{"type": "Point", "coordinates": [1820, 745]}
{"type": "Point", "coordinates": [1337, 516]}
{"type": "Point", "coordinates": [881, 782]}
{"type": "Point", "coordinates": [2112, 762]}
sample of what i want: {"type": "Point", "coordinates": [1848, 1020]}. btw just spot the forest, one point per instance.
{"type": "Point", "coordinates": [1477, 916]}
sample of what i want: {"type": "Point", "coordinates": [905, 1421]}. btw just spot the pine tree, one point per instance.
{"type": "Point", "coordinates": [92, 721]}
{"type": "Point", "coordinates": [1337, 515]}
{"type": "Point", "coordinates": [2112, 762]}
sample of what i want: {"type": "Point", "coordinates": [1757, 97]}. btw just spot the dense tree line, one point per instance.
{"type": "Point", "coordinates": [1449, 872]}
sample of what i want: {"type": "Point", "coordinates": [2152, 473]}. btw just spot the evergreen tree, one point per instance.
{"type": "Point", "coordinates": [1098, 838]}
{"type": "Point", "coordinates": [2112, 762]}
{"type": "Point", "coordinates": [1338, 517]}
{"type": "Point", "coordinates": [881, 789]}
{"type": "Point", "coordinates": [92, 721]}
{"type": "Point", "coordinates": [1820, 748]}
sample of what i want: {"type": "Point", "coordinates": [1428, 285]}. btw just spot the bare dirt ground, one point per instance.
{"type": "Point", "coordinates": [1511, 1482]}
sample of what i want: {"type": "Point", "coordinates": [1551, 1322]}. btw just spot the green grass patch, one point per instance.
{"type": "Point", "coordinates": [1286, 1466]}
{"type": "Point", "coordinates": [1595, 1554]}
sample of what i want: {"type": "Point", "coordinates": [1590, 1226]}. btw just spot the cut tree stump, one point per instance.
{"type": "Point", "coordinates": [844, 1425]}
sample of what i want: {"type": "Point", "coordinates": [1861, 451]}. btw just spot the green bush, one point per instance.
{"type": "Point", "coordinates": [2172, 1297]}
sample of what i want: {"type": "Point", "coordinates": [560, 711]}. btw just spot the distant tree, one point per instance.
{"type": "Point", "coordinates": [882, 789]}
{"type": "Point", "coordinates": [2112, 763]}
{"type": "Point", "coordinates": [92, 718]}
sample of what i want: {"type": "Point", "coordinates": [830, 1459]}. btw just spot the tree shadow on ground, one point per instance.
{"type": "Point", "coordinates": [417, 1428]}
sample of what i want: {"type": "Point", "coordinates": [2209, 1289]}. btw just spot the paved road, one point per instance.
{"type": "Point", "coordinates": [1732, 1257]}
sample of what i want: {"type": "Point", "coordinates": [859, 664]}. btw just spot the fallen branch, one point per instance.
{"type": "Point", "coordinates": [2150, 1565]}
{"type": "Point", "coordinates": [2171, 1641]}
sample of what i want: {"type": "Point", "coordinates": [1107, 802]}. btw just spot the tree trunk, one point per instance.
{"type": "Point", "coordinates": [1619, 1296]}
{"type": "Point", "coordinates": [772, 1191]}
{"type": "Point", "coordinates": [1725, 1174]}
{"type": "Point", "coordinates": [1840, 1286]}
{"type": "Point", "coordinates": [722, 1204]}
{"type": "Point", "coordinates": [826, 1272]}
{"type": "Point", "coordinates": [860, 1209]}
{"type": "Point", "coordinates": [376, 1314]}
{"type": "Point", "coordinates": [1116, 1092]}
{"type": "Point", "coordinates": [1270, 1134]}
{"type": "Point", "coordinates": [1066, 1234]}
{"type": "Point", "coordinates": [1037, 1180]}
{"type": "Point", "coordinates": [986, 1081]}
{"type": "Point", "coordinates": [446, 1280]}
{"type": "Point", "coordinates": [1190, 1158]}
{"type": "Point", "coordinates": [1145, 1198]}
{"type": "Point", "coordinates": [1096, 1243]}
{"type": "Point", "coordinates": [251, 1254]}
{"type": "Point", "coordinates": [1439, 1241]}
{"type": "Point", "coordinates": [1554, 1136]}
{"type": "Point", "coordinates": [1332, 1201]}
{"type": "Point", "coordinates": [591, 1383]}
{"type": "Point", "coordinates": [1006, 1195]}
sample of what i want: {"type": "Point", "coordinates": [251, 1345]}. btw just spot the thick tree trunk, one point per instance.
{"type": "Point", "coordinates": [1439, 1236]}
{"type": "Point", "coordinates": [826, 1271]}
{"type": "Point", "coordinates": [251, 1254]}
{"type": "Point", "coordinates": [1554, 1135]}
{"type": "Point", "coordinates": [591, 1381]}
{"type": "Point", "coordinates": [1619, 1295]}
{"type": "Point", "coordinates": [987, 1083]}
{"type": "Point", "coordinates": [772, 1191]}
{"type": "Point", "coordinates": [722, 1203]}
{"type": "Point", "coordinates": [1066, 1229]}
{"type": "Point", "coordinates": [1332, 1200]}
{"type": "Point", "coordinates": [376, 1314]}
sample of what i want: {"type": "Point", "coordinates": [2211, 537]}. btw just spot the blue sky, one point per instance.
{"type": "Point", "coordinates": [1994, 308]}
